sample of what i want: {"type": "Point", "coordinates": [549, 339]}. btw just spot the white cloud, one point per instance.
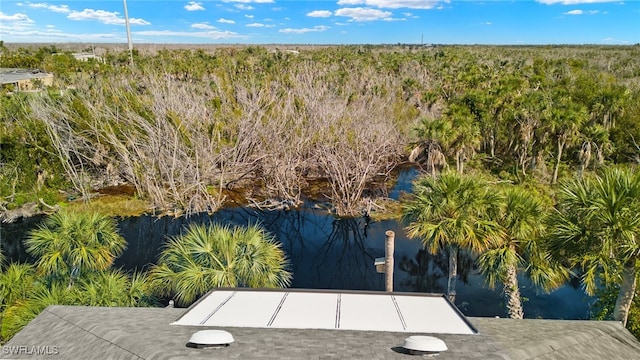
{"type": "Point", "coordinates": [244, 7]}
{"type": "Point", "coordinates": [580, 12]}
{"type": "Point", "coordinates": [616, 41]}
{"type": "Point", "coordinates": [63, 9]}
{"type": "Point", "coordinates": [203, 26]}
{"type": "Point", "coordinates": [363, 14]}
{"type": "Point", "coordinates": [395, 4]}
{"type": "Point", "coordinates": [14, 24]}
{"type": "Point", "coordinates": [215, 35]}
{"type": "Point", "coordinates": [318, 28]}
{"type": "Point", "coordinates": [226, 21]}
{"type": "Point", "coordinates": [105, 17]}
{"type": "Point", "coordinates": [250, 1]}
{"type": "Point", "coordinates": [319, 13]}
{"type": "Point", "coordinates": [52, 35]}
{"type": "Point", "coordinates": [259, 25]}
{"type": "Point", "coordinates": [487, 23]}
{"type": "Point", "coordinates": [38, 5]}
{"type": "Point", "coordinates": [15, 18]}
{"type": "Point", "coordinates": [573, 2]}
{"type": "Point", "coordinates": [193, 6]}
{"type": "Point", "coordinates": [249, 16]}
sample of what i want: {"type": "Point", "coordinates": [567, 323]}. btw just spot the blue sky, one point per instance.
{"type": "Point", "coordinates": [324, 22]}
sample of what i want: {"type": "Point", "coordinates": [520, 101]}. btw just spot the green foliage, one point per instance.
{"type": "Point", "coordinates": [205, 257]}
{"type": "Point", "coordinates": [595, 232]}
{"type": "Point", "coordinates": [29, 169]}
{"type": "Point", "coordinates": [72, 243]}
{"type": "Point", "coordinates": [74, 254]}
{"type": "Point", "coordinates": [451, 210]}
{"type": "Point", "coordinates": [605, 303]}
{"type": "Point", "coordinates": [597, 223]}
{"type": "Point", "coordinates": [525, 114]}
{"type": "Point", "coordinates": [508, 106]}
{"type": "Point", "coordinates": [114, 288]}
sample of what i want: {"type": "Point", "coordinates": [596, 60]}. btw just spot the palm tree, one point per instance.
{"type": "Point", "coordinates": [20, 313]}
{"type": "Point", "coordinates": [596, 230]}
{"type": "Point", "coordinates": [17, 283]}
{"type": "Point", "coordinates": [565, 122]}
{"type": "Point", "coordinates": [219, 256]}
{"type": "Point", "coordinates": [72, 242]}
{"type": "Point", "coordinates": [466, 130]}
{"type": "Point", "coordinates": [449, 213]}
{"type": "Point", "coordinates": [520, 218]}
{"type": "Point", "coordinates": [434, 135]}
{"type": "Point", "coordinates": [114, 288]}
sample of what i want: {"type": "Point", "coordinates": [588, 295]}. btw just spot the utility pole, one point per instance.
{"type": "Point", "coordinates": [126, 19]}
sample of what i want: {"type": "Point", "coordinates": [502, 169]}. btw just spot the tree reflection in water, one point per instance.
{"type": "Point", "coordinates": [346, 258]}
{"type": "Point", "coordinates": [427, 272]}
{"type": "Point", "coordinates": [326, 252]}
{"type": "Point", "coordinates": [337, 253]}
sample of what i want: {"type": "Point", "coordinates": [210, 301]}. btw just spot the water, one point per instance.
{"type": "Point", "coordinates": [331, 253]}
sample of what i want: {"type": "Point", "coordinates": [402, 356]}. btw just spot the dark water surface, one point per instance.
{"type": "Point", "coordinates": [331, 253]}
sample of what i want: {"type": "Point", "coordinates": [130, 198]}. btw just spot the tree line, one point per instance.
{"type": "Point", "coordinates": [188, 127]}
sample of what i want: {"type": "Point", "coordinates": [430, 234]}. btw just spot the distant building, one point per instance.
{"type": "Point", "coordinates": [86, 57]}
{"type": "Point", "coordinates": [24, 79]}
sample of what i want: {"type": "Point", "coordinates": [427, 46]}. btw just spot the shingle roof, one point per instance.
{"type": "Point", "coordinates": [13, 75]}
{"type": "Point", "coordinates": [76, 332]}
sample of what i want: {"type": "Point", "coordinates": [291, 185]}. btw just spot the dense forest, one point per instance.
{"type": "Point", "coordinates": [549, 133]}
{"type": "Point", "coordinates": [184, 127]}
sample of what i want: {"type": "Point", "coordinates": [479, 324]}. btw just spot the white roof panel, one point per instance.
{"type": "Point", "coordinates": [302, 310]}
{"type": "Point", "coordinates": [348, 310]}
{"type": "Point", "coordinates": [369, 312]}
{"type": "Point", "coordinates": [247, 309]}
{"type": "Point", "coordinates": [431, 315]}
{"type": "Point", "coordinates": [203, 309]}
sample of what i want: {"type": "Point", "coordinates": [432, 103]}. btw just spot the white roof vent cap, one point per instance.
{"type": "Point", "coordinates": [424, 345]}
{"type": "Point", "coordinates": [210, 339]}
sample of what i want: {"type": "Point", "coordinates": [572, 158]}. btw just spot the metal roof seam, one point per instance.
{"type": "Point", "coordinates": [204, 321]}
{"type": "Point", "coordinates": [395, 303]}
{"type": "Point", "coordinates": [275, 313]}
{"type": "Point", "coordinates": [338, 305]}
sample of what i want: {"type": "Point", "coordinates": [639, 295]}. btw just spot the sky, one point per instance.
{"type": "Point", "coordinates": [502, 22]}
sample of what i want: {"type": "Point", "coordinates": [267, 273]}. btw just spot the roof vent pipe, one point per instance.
{"type": "Point", "coordinates": [424, 345]}
{"type": "Point", "coordinates": [210, 339]}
